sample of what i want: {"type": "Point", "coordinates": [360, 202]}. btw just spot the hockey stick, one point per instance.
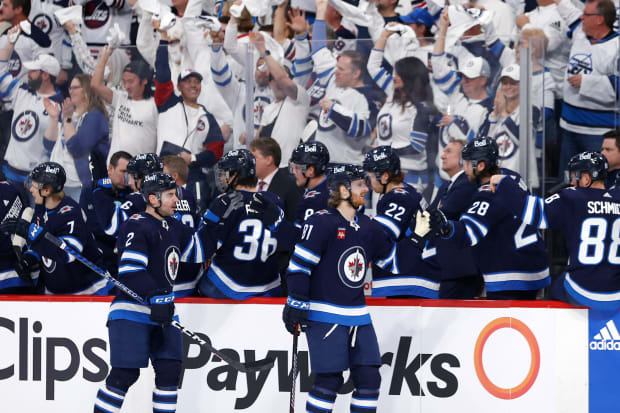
{"type": "Point", "coordinates": [248, 367]}
{"type": "Point", "coordinates": [309, 131]}
{"type": "Point", "coordinates": [294, 371]}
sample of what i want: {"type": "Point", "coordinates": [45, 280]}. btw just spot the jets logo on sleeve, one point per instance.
{"type": "Point", "coordinates": [172, 263]}
{"type": "Point", "coordinates": [352, 267]}
{"type": "Point", "coordinates": [15, 64]}
{"type": "Point", "coordinates": [43, 22]}
{"type": "Point", "coordinates": [25, 125]}
{"type": "Point", "coordinates": [311, 194]}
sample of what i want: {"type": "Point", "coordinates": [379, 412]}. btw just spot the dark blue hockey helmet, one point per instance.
{"type": "Point", "coordinates": [343, 175]}
{"type": "Point", "coordinates": [311, 154]}
{"type": "Point", "coordinates": [481, 149]}
{"type": "Point", "coordinates": [240, 162]}
{"type": "Point", "coordinates": [48, 173]}
{"type": "Point", "coordinates": [593, 163]}
{"type": "Point", "coordinates": [143, 164]}
{"type": "Point", "coordinates": [155, 183]}
{"type": "Point", "coordinates": [382, 159]}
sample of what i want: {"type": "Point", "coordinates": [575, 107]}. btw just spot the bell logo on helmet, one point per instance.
{"type": "Point", "coordinates": [51, 170]}
{"type": "Point", "coordinates": [480, 143]}
{"type": "Point", "coordinates": [379, 156]}
{"type": "Point", "coordinates": [312, 148]}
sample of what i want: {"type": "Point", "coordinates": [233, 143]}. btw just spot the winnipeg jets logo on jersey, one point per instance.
{"type": "Point", "coordinates": [15, 64]}
{"type": "Point", "coordinates": [352, 267]}
{"type": "Point", "coordinates": [580, 64]}
{"type": "Point", "coordinates": [326, 123]}
{"type": "Point", "coordinates": [311, 194]}
{"type": "Point", "coordinates": [136, 217]}
{"type": "Point", "coordinates": [65, 209]}
{"type": "Point", "coordinates": [25, 125]}
{"type": "Point", "coordinates": [400, 191]}
{"type": "Point", "coordinates": [49, 265]}
{"type": "Point", "coordinates": [201, 125]}
{"type": "Point", "coordinates": [316, 92]}
{"type": "Point", "coordinates": [384, 126]}
{"type": "Point", "coordinates": [43, 22]}
{"type": "Point", "coordinates": [507, 147]}
{"type": "Point", "coordinates": [172, 263]}
{"type": "Point", "coordinates": [96, 14]}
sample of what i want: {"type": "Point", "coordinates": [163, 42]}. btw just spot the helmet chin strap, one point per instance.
{"type": "Point", "coordinates": [379, 179]}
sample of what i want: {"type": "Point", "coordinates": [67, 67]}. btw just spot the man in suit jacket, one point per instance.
{"type": "Point", "coordinates": [278, 181]}
{"type": "Point", "coordinates": [460, 276]}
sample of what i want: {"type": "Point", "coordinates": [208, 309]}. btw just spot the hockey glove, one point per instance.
{"type": "Point", "coordinates": [235, 201]}
{"type": "Point", "coordinates": [162, 306]}
{"type": "Point", "coordinates": [22, 228]}
{"type": "Point", "coordinates": [422, 227]}
{"type": "Point", "coordinates": [269, 213]}
{"type": "Point", "coordinates": [25, 266]}
{"type": "Point", "coordinates": [295, 314]}
{"type": "Point", "coordinates": [440, 226]}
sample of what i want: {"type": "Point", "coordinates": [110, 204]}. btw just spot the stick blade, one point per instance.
{"type": "Point", "coordinates": [309, 131]}
{"type": "Point", "coordinates": [258, 365]}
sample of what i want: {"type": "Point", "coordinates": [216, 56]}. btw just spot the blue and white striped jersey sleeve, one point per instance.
{"type": "Point", "coordinates": [355, 123]}
{"type": "Point", "coordinates": [380, 75]}
{"type": "Point", "coordinates": [302, 62]}
{"type": "Point", "coordinates": [444, 75]}
{"type": "Point", "coordinates": [306, 256]}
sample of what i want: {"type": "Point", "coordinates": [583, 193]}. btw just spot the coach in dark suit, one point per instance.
{"type": "Point", "coordinates": [270, 178]}
{"type": "Point", "coordinates": [460, 276]}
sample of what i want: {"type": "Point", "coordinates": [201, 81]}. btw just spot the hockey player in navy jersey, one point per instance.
{"type": "Point", "coordinates": [102, 205]}
{"type": "Point", "coordinates": [150, 245]}
{"type": "Point", "coordinates": [308, 165]}
{"type": "Point", "coordinates": [509, 254]}
{"type": "Point", "coordinates": [18, 274]}
{"type": "Point", "coordinates": [241, 229]}
{"type": "Point", "coordinates": [589, 215]}
{"type": "Point", "coordinates": [62, 217]}
{"type": "Point", "coordinates": [186, 213]}
{"type": "Point", "coordinates": [139, 166]}
{"type": "Point", "coordinates": [400, 204]}
{"type": "Point", "coordinates": [326, 295]}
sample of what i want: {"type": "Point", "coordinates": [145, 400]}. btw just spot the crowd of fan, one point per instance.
{"type": "Point", "coordinates": [195, 79]}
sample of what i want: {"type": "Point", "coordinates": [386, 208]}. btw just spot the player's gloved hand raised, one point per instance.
{"type": "Point", "coordinates": [269, 213]}
{"type": "Point", "coordinates": [440, 226]}
{"type": "Point", "coordinates": [25, 266]}
{"type": "Point", "coordinates": [421, 228]}
{"type": "Point", "coordinates": [295, 314]}
{"type": "Point", "coordinates": [162, 306]}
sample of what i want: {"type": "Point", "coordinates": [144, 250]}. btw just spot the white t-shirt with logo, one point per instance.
{"type": "Point", "coordinates": [290, 118]}
{"type": "Point", "coordinates": [134, 126]}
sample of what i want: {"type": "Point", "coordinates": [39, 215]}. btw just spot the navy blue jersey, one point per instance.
{"type": "Point", "coordinates": [10, 208]}
{"type": "Point", "coordinates": [509, 254]}
{"type": "Point", "coordinates": [150, 251]}
{"type": "Point", "coordinates": [104, 216]}
{"type": "Point", "coordinates": [313, 200]}
{"type": "Point", "coordinates": [590, 219]}
{"type": "Point", "coordinates": [454, 198]}
{"type": "Point", "coordinates": [408, 270]}
{"type": "Point", "coordinates": [134, 204]}
{"type": "Point", "coordinates": [245, 264]}
{"type": "Point", "coordinates": [186, 210]}
{"type": "Point", "coordinates": [61, 273]}
{"type": "Point", "coordinates": [189, 272]}
{"type": "Point", "coordinates": [329, 265]}
{"type": "Point", "coordinates": [107, 207]}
